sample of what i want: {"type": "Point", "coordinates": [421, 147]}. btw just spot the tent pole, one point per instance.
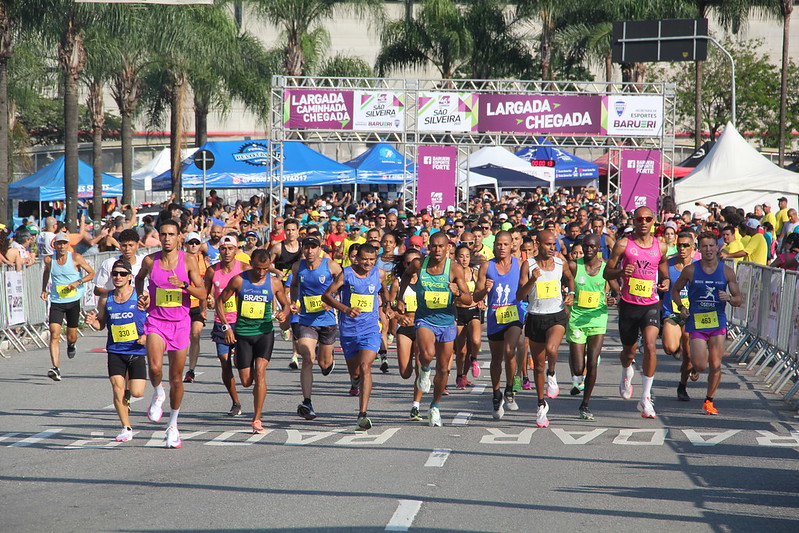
{"type": "Point", "coordinates": [355, 192]}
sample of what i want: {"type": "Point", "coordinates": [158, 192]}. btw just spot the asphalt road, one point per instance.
{"type": "Point", "coordinates": [60, 469]}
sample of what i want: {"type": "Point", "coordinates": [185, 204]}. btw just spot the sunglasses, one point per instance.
{"type": "Point", "coordinates": [684, 245]}
{"type": "Point", "coordinates": [644, 219]}
{"type": "Point", "coordinates": [467, 242]}
{"type": "Point", "coordinates": [458, 227]}
{"type": "Point", "coordinates": [193, 243]}
{"type": "Point", "coordinates": [119, 273]}
{"type": "Point", "coordinates": [486, 227]}
{"type": "Point", "coordinates": [382, 218]}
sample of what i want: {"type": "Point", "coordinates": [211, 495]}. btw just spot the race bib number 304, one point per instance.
{"type": "Point", "coordinates": [641, 287]}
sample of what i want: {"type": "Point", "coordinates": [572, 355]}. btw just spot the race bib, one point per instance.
{"type": "Point", "coordinates": [708, 320]}
{"type": "Point", "coordinates": [683, 301]}
{"type": "Point", "coordinates": [313, 304]}
{"type": "Point", "coordinates": [124, 332]}
{"type": "Point", "coordinates": [366, 302]}
{"type": "Point", "coordinates": [507, 314]}
{"type": "Point", "coordinates": [168, 297]}
{"type": "Point", "coordinates": [641, 287]}
{"type": "Point", "coordinates": [547, 289]}
{"type": "Point", "coordinates": [411, 303]}
{"type": "Point", "coordinates": [588, 299]}
{"type": "Point", "coordinates": [65, 292]}
{"type": "Point", "coordinates": [471, 285]}
{"type": "Point", "coordinates": [230, 305]}
{"type": "Point", "coordinates": [436, 299]}
{"type": "Point", "coordinates": [253, 309]}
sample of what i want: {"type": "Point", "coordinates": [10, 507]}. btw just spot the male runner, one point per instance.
{"type": "Point", "coordinates": [174, 277]}
{"type": "Point", "coordinates": [709, 281]}
{"type": "Point", "coordinates": [285, 254]}
{"type": "Point", "coordinates": [640, 260]}
{"type": "Point", "coordinates": [128, 246]}
{"type": "Point", "coordinates": [211, 247]}
{"type": "Point", "coordinates": [197, 308]}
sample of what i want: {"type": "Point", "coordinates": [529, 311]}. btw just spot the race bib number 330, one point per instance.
{"type": "Point", "coordinates": [124, 332]}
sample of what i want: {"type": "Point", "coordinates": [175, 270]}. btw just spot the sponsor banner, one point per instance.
{"type": "Point", "coordinates": [447, 111]}
{"type": "Point", "coordinates": [639, 179]}
{"type": "Point", "coordinates": [540, 114]}
{"type": "Point", "coordinates": [379, 111]}
{"type": "Point", "coordinates": [435, 187]}
{"type": "Point", "coordinates": [15, 291]}
{"type": "Point", "coordinates": [317, 109]}
{"type": "Point", "coordinates": [632, 115]}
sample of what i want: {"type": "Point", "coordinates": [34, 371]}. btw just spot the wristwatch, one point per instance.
{"type": "Point", "coordinates": [185, 285]}
{"type": "Point", "coordinates": [225, 327]}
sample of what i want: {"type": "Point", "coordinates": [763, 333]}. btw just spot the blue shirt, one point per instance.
{"type": "Point", "coordinates": [125, 323]}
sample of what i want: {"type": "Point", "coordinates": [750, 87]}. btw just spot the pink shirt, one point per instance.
{"type": "Point", "coordinates": [220, 281]}
{"type": "Point", "coordinates": [167, 302]}
{"type": "Point", "coordinates": [641, 287]}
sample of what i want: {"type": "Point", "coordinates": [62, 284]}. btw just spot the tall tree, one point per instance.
{"type": "Point", "coordinates": [499, 48]}
{"type": "Point", "coordinates": [7, 23]}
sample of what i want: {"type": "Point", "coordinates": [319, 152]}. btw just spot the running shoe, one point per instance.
{"type": "Point", "coordinates": [306, 411]}
{"type": "Point", "coordinates": [459, 384]}
{"type": "Point", "coordinates": [434, 417]}
{"type": "Point", "coordinates": [295, 362]}
{"type": "Point", "coordinates": [286, 334]}
{"type": "Point", "coordinates": [708, 408]}
{"type": "Point", "coordinates": [694, 375]}
{"type": "Point", "coordinates": [682, 393]}
{"type": "Point", "coordinates": [626, 385]}
{"type": "Point", "coordinates": [499, 410]}
{"type": "Point", "coordinates": [173, 437]}
{"type": "Point", "coordinates": [541, 419]}
{"type": "Point", "coordinates": [446, 392]}
{"type": "Point", "coordinates": [677, 354]}
{"type": "Point", "coordinates": [585, 413]}
{"type": "Point", "coordinates": [54, 374]}
{"type": "Point", "coordinates": [355, 386]}
{"type": "Point", "coordinates": [390, 338]}
{"type": "Point", "coordinates": [577, 386]}
{"type": "Point", "coordinates": [328, 370]}
{"type": "Point", "coordinates": [475, 368]}
{"type": "Point", "coordinates": [126, 400]}
{"type": "Point", "coordinates": [126, 435]}
{"type": "Point", "coordinates": [510, 401]}
{"type": "Point", "coordinates": [415, 416]}
{"type": "Point", "coordinates": [647, 408]}
{"type": "Point", "coordinates": [383, 364]}
{"type": "Point", "coordinates": [363, 423]}
{"type": "Point", "coordinates": [71, 350]}
{"type": "Point", "coordinates": [235, 409]}
{"type": "Point", "coordinates": [517, 384]}
{"type": "Point", "coordinates": [155, 412]}
{"type": "Point", "coordinates": [257, 427]}
{"type": "Point", "coordinates": [423, 383]}
{"type": "Point", "coordinates": [552, 387]}
{"type": "Point", "coordinates": [189, 376]}
{"type": "Point", "coordinates": [467, 382]}
{"type": "Point", "coordinates": [526, 384]}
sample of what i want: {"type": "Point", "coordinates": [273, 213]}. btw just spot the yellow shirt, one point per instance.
{"type": "Point", "coordinates": [782, 218]}
{"type": "Point", "coordinates": [734, 246]}
{"type": "Point", "coordinates": [770, 218]}
{"type": "Point", "coordinates": [757, 249]}
{"type": "Point", "coordinates": [487, 252]}
{"type": "Point", "coordinates": [345, 248]}
{"type": "Point", "coordinates": [243, 257]}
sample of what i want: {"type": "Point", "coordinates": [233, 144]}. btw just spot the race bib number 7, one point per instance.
{"type": "Point", "coordinates": [547, 289]}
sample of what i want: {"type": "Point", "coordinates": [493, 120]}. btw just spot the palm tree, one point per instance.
{"type": "Point", "coordinates": [7, 24]}
{"type": "Point", "coordinates": [547, 13]}
{"type": "Point", "coordinates": [498, 49]}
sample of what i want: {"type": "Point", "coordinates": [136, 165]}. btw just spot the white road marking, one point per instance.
{"type": "Point", "coordinates": [487, 364]}
{"type": "Point", "coordinates": [7, 436]}
{"type": "Point", "coordinates": [438, 457]}
{"type": "Point", "coordinates": [461, 419]}
{"type": "Point", "coordinates": [478, 389]}
{"type": "Point", "coordinates": [30, 441]}
{"type": "Point", "coordinates": [132, 400]}
{"type": "Point", "coordinates": [404, 515]}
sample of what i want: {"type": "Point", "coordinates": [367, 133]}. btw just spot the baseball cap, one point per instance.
{"type": "Point", "coordinates": [698, 216]}
{"type": "Point", "coordinates": [416, 240]}
{"type": "Point", "coordinates": [766, 204]}
{"type": "Point", "coordinates": [355, 227]}
{"type": "Point", "coordinates": [671, 224]}
{"type": "Point", "coordinates": [503, 216]}
{"type": "Point", "coordinates": [193, 236]}
{"type": "Point", "coordinates": [782, 199]}
{"type": "Point", "coordinates": [314, 213]}
{"type": "Point", "coordinates": [752, 223]}
{"type": "Point", "coordinates": [228, 239]}
{"type": "Point", "coordinates": [311, 242]}
{"type": "Point", "coordinates": [450, 208]}
{"type": "Point", "coordinates": [426, 217]}
{"type": "Point", "coordinates": [506, 226]}
{"type": "Point", "coordinates": [61, 237]}
{"type": "Point", "coordinates": [251, 234]}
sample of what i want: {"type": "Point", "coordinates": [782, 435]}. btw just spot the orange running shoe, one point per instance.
{"type": "Point", "coordinates": [708, 408]}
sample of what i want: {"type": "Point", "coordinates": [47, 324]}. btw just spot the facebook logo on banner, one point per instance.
{"type": "Point", "coordinates": [427, 160]}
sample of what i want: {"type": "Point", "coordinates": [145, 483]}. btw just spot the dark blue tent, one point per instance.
{"type": "Point", "coordinates": [47, 184]}
{"type": "Point", "coordinates": [245, 164]}
{"type": "Point", "coordinates": [569, 169]}
{"type": "Point", "coordinates": [380, 164]}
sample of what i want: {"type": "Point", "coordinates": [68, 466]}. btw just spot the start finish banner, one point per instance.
{"type": "Point", "coordinates": [435, 188]}
{"type": "Point", "coordinates": [639, 179]}
{"type": "Point", "coordinates": [540, 114]}
{"type": "Point", "coordinates": [317, 109]}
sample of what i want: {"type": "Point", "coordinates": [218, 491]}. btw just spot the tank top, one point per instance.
{"type": "Point", "coordinates": [362, 293]}
{"type": "Point", "coordinates": [435, 302]}
{"type": "Point", "coordinates": [641, 287]}
{"type": "Point", "coordinates": [604, 253]}
{"type": "Point", "coordinates": [707, 311]}
{"type": "Point", "coordinates": [212, 254]}
{"type": "Point", "coordinates": [168, 302]}
{"type": "Point", "coordinates": [202, 267]}
{"type": "Point", "coordinates": [285, 261]}
{"type": "Point", "coordinates": [313, 283]}
{"type": "Point", "coordinates": [545, 298]}
{"type": "Point", "coordinates": [219, 281]}
{"type": "Point", "coordinates": [255, 307]}
{"type": "Point", "coordinates": [409, 297]}
{"type": "Point", "coordinates": [60, 277]}
{"type": "Point", "coordinates": [470, 283]}
{"type": "Point", "coordinates": [502, 305]}
{"type": "Point", "coordinates": [669, 306]}
{"type": "Point", "coordinates": [590, 308]}
{"type": "Point", "coordinates": [125, 325]}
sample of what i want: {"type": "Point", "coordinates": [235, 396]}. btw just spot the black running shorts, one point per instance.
{"type": "Point", "coordinates": [634, 318]}
{"type": "Point", "coordinates": [536, 326]}
{"type": "Point", "coordinates": [59, 310]}
{"type": "Point", "coordinates": [135, 366]}
{"type": "Point", "coordinates": [249, 348]}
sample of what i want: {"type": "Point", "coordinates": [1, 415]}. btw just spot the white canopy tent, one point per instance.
{"type": "Point", "coordinates": [735, 173]}
{"type": "Point", "coordinates": [467, 180]}
{"type": "Point", "coordinates": [160, 163]}
{"type": "Point", "coordinates": [498, 156]}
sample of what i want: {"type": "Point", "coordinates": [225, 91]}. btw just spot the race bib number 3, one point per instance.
{"type": "Point", "coordinates": [507, 314]}
{"type": "Point", "coordinates": [168, 297]}
{"type": "Point", "coordinates": [313, 304]}
{"type": "Point", "coordinates": [436, 299]}
{"type": "Point", "coordinates": [588, 299]}
{"type": "Point", "coordinates": [706, 320]}
{"type": "Point", "coordinates": [253, 309]}
{"type": "Point", "coordinates": [124, 332]}
{"type": "Point", "coordinates": [641, 287]}
{"type": "Point", "coordinates": [65, 292]}
{"type": "Point", "coordinates": [365, 302]}
{"type": "Point", "coordinates": [547, 289]}
{"type": "Point", "coordinates": [411, 303]}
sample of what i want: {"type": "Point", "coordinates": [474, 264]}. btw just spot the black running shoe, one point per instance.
{"type": "Point", "coordinates": [682, 393]}
{"type": "Point", "coordinates": [328, 370]}
{"type": "Point", "coordinates": [71, 350]}
{"type": "Point", "coordinates": [54, 374]}
{"type": "Point", "coordinates": [306, 411]}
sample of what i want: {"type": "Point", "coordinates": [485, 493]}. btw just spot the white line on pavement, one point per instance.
{"type": "Point", "coordinates": [404, 515]}
{"type": "Point", "coordinates": [30, 441]}
{"type": "Point", "coordinates": [132, 400]}
{"type": "Point", "coordinates": [438, 457]}
{"type": "Point", "coordinates": [8, 436]}
{"type": "Point", "coordinates": [487, 364]}
{"type": "Point", "coordinates": [461, 419]}
{"type": "Point", "coordinates": [478, 389]}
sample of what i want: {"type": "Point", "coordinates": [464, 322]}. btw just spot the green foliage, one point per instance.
{"type": "Point", "coordinates": [341, 66]}
{"type": "Point", "coordinates": [43, 120]}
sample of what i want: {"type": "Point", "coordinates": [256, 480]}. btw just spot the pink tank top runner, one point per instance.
{"type": "Point", "coordinates": [220, 281]}
{"type": "Point", "coordinates": [167, 302]}
{"type": "Point", "coordinates": [641, 287]}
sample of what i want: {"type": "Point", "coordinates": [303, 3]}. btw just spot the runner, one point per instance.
{"type": "Point", "coordinates": [211, 247]}
{"type": "Point", "coordinates": [588, 320]}
{"type": "Point", "coordinates": [498, 278]}
{"type": "Point", "coordinates": [311, 277]}
{"type": "Point", "coordinates": [545, 326]}
{"type": "Point", "coordinates": [438, 279]}
{"type": "Point", "coordinates": [469, 321]}
{"type": "Point", "coordinates": [285, 254]}
{"type": "Point", "coordinates": [708, 281]}
{"type": "Point", "coordinates": [125, 343]}
{"type": "Point", "coordinates": [174, 277]}
{"type": "Point", "coordinates": [65, 294]}
{"type": "Point", "coordinates": [640, 259]}
{"type": "Point", "coordinates": [359, 286]}
{"type": "Point", "coordinates": [128, 246]}
{"type": "Point", "coordinates": [216, 279]}
{"type": "Point", "coordinates": [255, 290]}
{"type": "Point", "coordinates": [197, 310]}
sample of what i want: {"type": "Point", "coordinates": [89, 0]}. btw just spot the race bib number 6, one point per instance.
{"type": "Point", "coordinates": [588, 299]}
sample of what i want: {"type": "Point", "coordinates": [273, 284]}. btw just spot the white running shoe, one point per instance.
{"type": "Point", "coordinates": [285, 334]}
{"type": "Point", "coordinates": [154, 413]}
{"type": "Point", "coordinates": [626, 384]}
{"type": "Point", "coordinates": [173, 437]}
{"type": "Point", "coordinates": [646, 408]}
{"type": "Point", "coordinates": [552, 387]}
{"type": "Point", "coordinates": [434, 416]}
{"type": "Point", "coordinates": [498, 410]}
{"type": "Point", "coordinates": [423, 383]}
{"type": "Point", "coordinates": [541, 419]}
{"type": "Point", "coordinates": [510, 401]}
{"type": "Point", "coordinates": [126, 435]}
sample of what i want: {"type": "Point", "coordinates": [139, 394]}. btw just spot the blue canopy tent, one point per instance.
{"type": "Point", "coordinates": [47, 184]}
{"type": "Point", "coordinates": [381, 163]}
{"type": "Point", "coordinates": [245, 164]}
{"type": "Point", "coordinates": [570, 170]}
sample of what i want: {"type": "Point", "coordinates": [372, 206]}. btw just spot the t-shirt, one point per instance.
{"type": "Point", "coordinates": [103, 276]}
{"type": "Point", "coordinates": [44, 242]}
{"type": "Point", "coordinates": [734, 246]}
{"type": "Point", "coordinates": [345, 250]}
{"type": "Point", "coordinates": [757, 249]}
{"type": "Point", "coordinates": [333, 240]}
{"type": "Point", "coordinates": [782, 218]}
{"type": "Point", "coordinates": [769, 217]}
